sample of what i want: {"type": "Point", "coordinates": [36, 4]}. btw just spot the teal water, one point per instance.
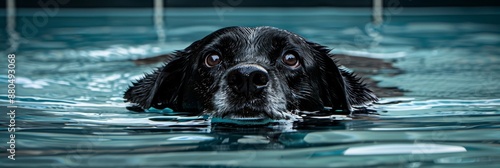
{"type": "Point", "coordinates": [72, 71]}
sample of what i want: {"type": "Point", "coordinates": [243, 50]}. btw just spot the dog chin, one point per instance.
{"type": "Point", "coordinates": [246, 113]}
{"type": "Point", "coordinates": [249, 114]}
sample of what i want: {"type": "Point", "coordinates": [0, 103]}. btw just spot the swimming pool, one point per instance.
{"type": "Point", "coordinates": [71, 73]}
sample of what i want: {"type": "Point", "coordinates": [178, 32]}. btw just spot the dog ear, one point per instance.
{"type": "Point", "coordinates": [357, 91]}
{"type": "Point", "coordinates": [162, 88]}
{"type": "Point", "coordinates": [341, 89]}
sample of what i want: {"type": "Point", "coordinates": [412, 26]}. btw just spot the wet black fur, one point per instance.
{"type": "Point", "coordinates": [184, 84]}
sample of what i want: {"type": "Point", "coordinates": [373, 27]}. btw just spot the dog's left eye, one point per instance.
{"type": "Point", "coordinates": [212, 60]}
{"type": "Point", "coordinates": [291, 59]}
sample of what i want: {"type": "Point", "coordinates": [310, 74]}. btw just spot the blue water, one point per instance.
{"type": "Point", "coordinates": [72, 71]}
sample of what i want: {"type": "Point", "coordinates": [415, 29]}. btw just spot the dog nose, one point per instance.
{"type": "Point", "coordinates": [248, 79]}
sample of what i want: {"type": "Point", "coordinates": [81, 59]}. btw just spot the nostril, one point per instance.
{"type": "Point", "coordinates": [234, 78]}
{"type": "Point", "coordinates": [260, 78]}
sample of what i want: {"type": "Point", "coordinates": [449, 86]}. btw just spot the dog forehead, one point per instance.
{"type": "Point", "coordinates": [257, 44]}
{"type": "Point", "coordinates": [244, 44]}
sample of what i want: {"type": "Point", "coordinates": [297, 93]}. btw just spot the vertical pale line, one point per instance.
{"type": "Point", "coordinates": [377, 12]}
{"type": "Point", "coordinates": [11, 26]}
{"type": "Point", "coordinates": [158, 20]}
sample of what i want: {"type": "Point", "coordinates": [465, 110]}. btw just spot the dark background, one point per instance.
{"type": "Point", "coordinates": [252, 3]}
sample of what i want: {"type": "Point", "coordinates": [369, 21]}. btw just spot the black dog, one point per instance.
{"type": "Point", "coordinates": [241, 72]}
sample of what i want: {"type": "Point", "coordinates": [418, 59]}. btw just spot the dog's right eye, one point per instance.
{"type": "Point", "coordinates": [212, 60]}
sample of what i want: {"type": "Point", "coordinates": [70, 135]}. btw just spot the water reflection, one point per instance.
{"type": "Point", "coordinates": [391, 149]}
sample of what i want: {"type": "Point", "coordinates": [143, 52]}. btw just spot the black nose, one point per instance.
{"type": "Point", "coordinates": [248, 79]}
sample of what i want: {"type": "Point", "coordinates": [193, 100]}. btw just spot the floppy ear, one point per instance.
{"type": "Point", "coordinates": [342, 89]}
{"type": "Point", "coordinates": [357, 92]}
{"type": "Point", "coordinates": [162, 88]}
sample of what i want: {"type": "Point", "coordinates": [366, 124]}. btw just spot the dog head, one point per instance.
{"type": "Point", "coordinates": [241, 72]}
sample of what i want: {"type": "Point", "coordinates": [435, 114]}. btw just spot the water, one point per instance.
{"type": "Point", "coordinates": [71, 74]}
